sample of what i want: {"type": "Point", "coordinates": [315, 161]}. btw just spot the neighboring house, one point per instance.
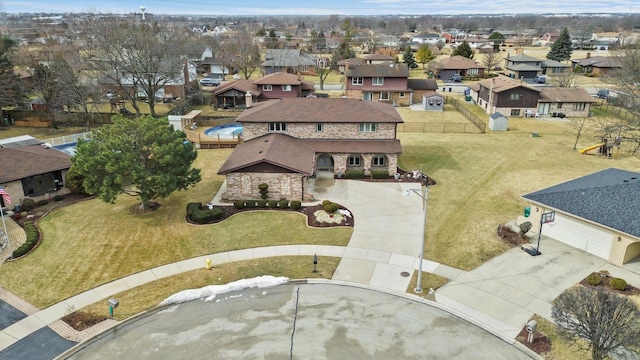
{"type": "Point", "coordinates": [233, 95]}
{"type": "Point", "coordinates": [427, 38]}
{"type": "Point", "coordinates": [505, 95]}
{"type": "Point", "coordinates": [35, 171]}
{"type": "Point", "coordinates": [604, 40]}
{"type": "Point", "coordinates": [282, 85]}
{"type": "Point", "coordinates": [552, 67]}
{"type": "Point", "coordinates": [600, 65]}
{"type": "Point", "coordinates": [459, 65]}
{"type": "Point", "coordinates": [454, 36]}
{"type": "Point", "coordinates": [213, 68]}
{"type": "Point", "coordinates": [287, 141]}
{"type": "Point", "coordinates": [597, 213]}
{"type": "Point", "coordinates": [573, 102]}
{"type": "Point", "coordinates": [432, 101]}
{"type": "Point", "coordinates": [387, 83]}
{"type": "Point", "coordinates": [547, 38]}
{"type": "Point", "coordinates": [523, 66]}
{"type": "Point", "coordinates": [378, 59]}
{"type": "Point", "coordinates": [291, 61]}
{"type": "Point", "coordinates": [342, 64]}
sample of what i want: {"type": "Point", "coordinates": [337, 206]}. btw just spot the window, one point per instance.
{"type": "Point", "coordinates": [384, 96]}
{"type": "Point", "coordinates": [579, 106]}
{"type": "Point", "coordinates": [319, 127]}
{"type": "Point", "coordinates": [42, 184]}
{"type": "Point", "coordinates": [303, 68]}
{"type": "Point", "coordinates": [367, 127]}
{"type": "Point", "coordinates": [514, 97]}
{"type": "Point", "coordinates": [401, 94]}
{"type": "Point", "coordinates": [378, 160]}
{"type": "Point", "coordinates": [377, 81]}
{"type": "Point", "coordinates": [515, 112]}
{"type": "Point", "coordinates": [354, 160]}
{"type": "Point", "coordinates": [286, 87]}
{"type": "Point", "coordinates": [356, 81]}
{"type": "Point", "coordinates": [266, 87]}
{"type": "Point", "coordinates": [277, 127]}
{"type": "Point", "coordinates": [557, 70]}
{"type": "Point", "coordinates": [559, 105]}
{"type": "Point", "coordinates": [472, 72]}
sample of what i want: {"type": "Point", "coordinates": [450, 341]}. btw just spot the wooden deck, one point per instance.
{"type": "Point", "coordinates": [203, 141]}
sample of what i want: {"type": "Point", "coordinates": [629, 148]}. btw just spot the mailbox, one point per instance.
{"type": "Point", "coordinates": [532, 325]}
{"type": "Point", "coordinates": [113, 303]}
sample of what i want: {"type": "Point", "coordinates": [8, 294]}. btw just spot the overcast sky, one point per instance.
{"type": "Point", "coordinates": [342, 7]}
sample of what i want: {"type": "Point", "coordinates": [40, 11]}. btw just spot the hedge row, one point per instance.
{"type": "Point", "coordinates": [262, 203]}
{"type": "Point", "coordinates": [379, 174]}
{"type": "Point", "coordinates": [198, 215]}
{"type": "Point", "coordinates": [32, 240]}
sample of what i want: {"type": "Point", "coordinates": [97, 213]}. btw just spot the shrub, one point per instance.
{"type": "Point", "coordinates": [325, 202]}
{"type": "Point", "coordinates": [32, 240]}
{"type": "Point", "coordinates": [619, 284]}
{"type": "Point", "coordinates": [525, 227]}
{"type": "Point", "coordinates": [264, 190]}
{"type": "Point", "coordinates": [74, 180]}
{"type": "Point", "coordinates": [58, 198]}
{"type": "Point", "coordinates": [330, 207]}
{"type": "Point", "coordinates": [594, 279]}
{"type": "Point", "coordinates": [273, 203]}
{"type": "Point", "coordinates": [28, 204]}
{"type": "Point", "coordinates": [508, 235]}
{"type": "Point", "coordinates": [354, 174]}
{"type": "Point", "coordinates": [203, 216]}
{"type": "Point", "coordinates": [262, 203]}
{"type": "Point", "coordinates": [263, 186]}
{"type": "Point", "coordinates": [283, 204]}
{"type": "Point", "coordinates": [238, 204]}
{"type": "Point", "coordinates": [250, 203]}
{"type": "Point", "coordinates": [43, 202]}
{"type": "Point", "coordinates": [379, 174]}
{"type": "Point", "coordinates": [296, 205]}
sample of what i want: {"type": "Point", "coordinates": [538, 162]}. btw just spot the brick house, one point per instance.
{"type": "Point", "coordinates": [281, 85]}
{"type": "Point", "coordinates": [573, 102]}
{"type": "Point", "coordinates": [504, 95]}
{"type": "Point", "coordinates": [387, 83]}
{"type": "Point", "coordinates": [459, 65]}
{"type": "Point", "coordinates": [34, 171]}
{"type": "Point", "coordinates": [287, 141]}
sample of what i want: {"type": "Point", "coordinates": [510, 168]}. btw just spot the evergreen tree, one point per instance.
{"type": "Point", "coordinates": [142, 157]}
{"type": "Point", "coordinates": [407, 58]}
{"type": "Point", "coordinates": [272, 40]}
{"type": "Point", "coordinates": [497, 39]}
{"type": "Point", "coordinates": [562, 48]}
{"type": "Point", "coordinates": [464, 50]}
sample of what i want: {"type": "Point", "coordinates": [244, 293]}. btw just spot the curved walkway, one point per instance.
{"type": "Point", "coordinates": [500, 296]}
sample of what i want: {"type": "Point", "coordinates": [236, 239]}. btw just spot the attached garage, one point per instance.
{"type": "Point", "coordinates": [580, 234]}
{"type": "Point", "coordinates": [597, 213]}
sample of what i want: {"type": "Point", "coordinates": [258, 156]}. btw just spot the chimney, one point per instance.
{"type": "Point", "coordinates": [248, 99]}
{"type": "Point", "coordinates": [588, 55]}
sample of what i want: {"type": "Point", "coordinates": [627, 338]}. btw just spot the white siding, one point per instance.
{"type": "Point", "coordinates": [580, 235]}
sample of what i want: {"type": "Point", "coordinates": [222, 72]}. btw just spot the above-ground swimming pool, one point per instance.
{"type": "Point", "coordinates": [227, 131]}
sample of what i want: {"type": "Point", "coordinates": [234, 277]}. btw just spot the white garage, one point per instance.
{"type": "Point", "coordinates": [580, 234]}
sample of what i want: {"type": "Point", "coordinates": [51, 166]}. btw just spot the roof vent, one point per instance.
{"type": "Point", "coordinates": [260, 152]}
{"type": "Point", "coordinates": [625, 180]}
{"type": "Point", "coordinates": [266, 140]}
{"type": "Point", "coordinates": [633, 178]}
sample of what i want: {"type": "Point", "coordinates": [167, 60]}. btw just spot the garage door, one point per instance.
{"type": "Point", "coordinates": [580, 235]}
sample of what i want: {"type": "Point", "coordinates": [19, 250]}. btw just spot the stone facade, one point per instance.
{"type": "Point", "coordinates": [340, 163]}
{"type": "Point", "coordinates": [16, 192]}
{"type": "Point", "coordinates": [244, 186]}
{"type": "Point", "coordinates": [567, 109]}
{"type": "Point", "coordinates": [329, 131]}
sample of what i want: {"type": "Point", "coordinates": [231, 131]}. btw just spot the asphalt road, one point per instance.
{"type": "Point", "coordinates": [301, 321]}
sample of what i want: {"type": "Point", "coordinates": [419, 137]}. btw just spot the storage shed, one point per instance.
{"type": "Point", "coordinates": [498, 122]}
{"type": "Point", "coordinates": [432, 101]}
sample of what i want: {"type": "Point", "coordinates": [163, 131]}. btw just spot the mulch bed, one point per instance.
{"type": "Point", "coordinates": [309, 211]}
{"type": "Point", "coordinates": [606, 283]}
{"type": "Point", "coordinates": [81, 321]}
{"type": "Point", "coordinates": [541, 343]}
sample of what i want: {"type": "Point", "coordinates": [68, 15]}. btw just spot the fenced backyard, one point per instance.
{"type": "Point", "coordinates": [456, 118]}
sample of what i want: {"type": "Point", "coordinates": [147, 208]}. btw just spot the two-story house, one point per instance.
{"type": "Point", "coordinates": [281, 85]}
{"type": "Point", "coordinates": [287, 141]}
{"type": "Point", "coordinates": [506, 96]}
{"type": "Point", "coordinates": [388, 83]}
{"type": "Point", "coordinates": [523, 66]}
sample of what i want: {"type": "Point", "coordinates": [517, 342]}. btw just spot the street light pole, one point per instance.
{"type": "Point", "coordinates": [424, 194]}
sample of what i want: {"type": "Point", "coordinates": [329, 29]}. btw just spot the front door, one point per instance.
{"type": "Point", "coordinates": [325, 163]}
{"type": "Point", "coordinates": [367, 96]}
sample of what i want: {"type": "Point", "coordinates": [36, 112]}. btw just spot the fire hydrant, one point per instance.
{"type": "Point", "coordinates": [207, 264]}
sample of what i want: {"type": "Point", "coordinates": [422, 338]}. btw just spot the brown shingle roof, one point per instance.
{"type": "Point", "coordinates": [500, 84]}
{"type": "Point", "coordinates": [316, 110]}
{"type": "Point", "coordinates": [280, 78]}
{"type": "Point", "coordinates": [422, 84]}
{"type": "Point", "coordinates": [352, 61]}
{"type": "Point", "coordinates": [383, 70]}
{"type": "Point", "coordinates": [565, 95]}
{"type": "Point", "coordinates": [25, 161]}
{"type": "Point", "coordinates": [240, 85]}
{"type": "Point", "coordinates": [459, 62]}
{"type": "Point", "coordinates": [298, 155]}
{"type": "Point", "coordinates": [382, 57]}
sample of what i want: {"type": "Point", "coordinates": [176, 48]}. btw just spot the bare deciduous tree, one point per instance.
{"type": "Point", "coordinates": [564, 80]}
{"type": "Point", "coordinates": [604, 319]}
{"type": "Point", "coordinates": [627, 77]}
{"type": "Point", "coordinates": [490, 60]}
{"type": "Point", "coordinates": [247, 55]}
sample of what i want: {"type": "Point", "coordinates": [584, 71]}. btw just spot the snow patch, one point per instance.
{"type": "Point", "coordinates": [210, 292]}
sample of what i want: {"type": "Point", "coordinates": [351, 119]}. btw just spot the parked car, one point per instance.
{"type": "Point", "coordinates": [603, 94]}
{"type": "Point", "coordinates": [209, 81]}
{"type": "Point", "coordinates": [540, 79]}
{"type": "Point", "coordinates": [456, 78]}
{"type": "Point", "coordinates": [497, 68]}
